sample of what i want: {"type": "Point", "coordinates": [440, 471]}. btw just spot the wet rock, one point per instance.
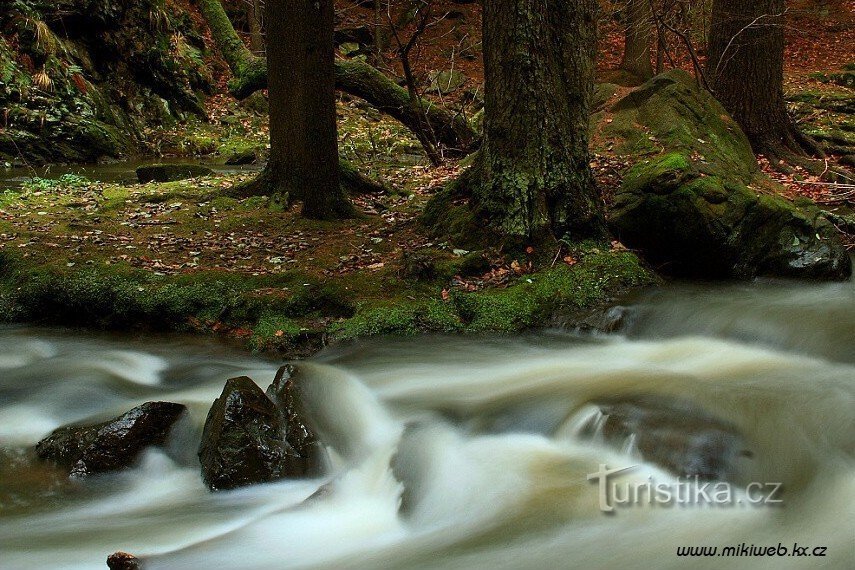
{"type": "Point", "coordinates": [112, 445]}
{"type": "Point", "coordinates": [674, 434]}
{"type": "Point", "coordinates": [251, 438]}
{"type": "Point", "coordinates": [242, 442]}
{"type": "Point", "coordinates": [171, 172]}
{"type": "Point", "coordinates": [696, 209]}
{"type": "Point", "coordinates": [306, 455]}
{"type": "Point", "coordinates": [123, 561]}
{"type": "Point", "coordinates": [600, 320]}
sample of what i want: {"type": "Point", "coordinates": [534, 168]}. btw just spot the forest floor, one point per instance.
{"type": "Point", "coordinates": [184, 255]}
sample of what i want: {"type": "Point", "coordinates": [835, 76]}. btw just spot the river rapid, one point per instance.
{"type": "Point", "coordinates": [456, 452]}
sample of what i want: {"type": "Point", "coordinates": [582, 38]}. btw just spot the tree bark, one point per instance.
{"type": "Point", "coordinates": [256, 35]}
{"type": "Point", "coordinates": [303, 162]}
{"type": "Point", "coordinates": [638, 33]}
{"type": "Point", "coordinates": [355, 78]}
{"type": "Point", "coordinates": [745, 67]}
{"type": "Point", "coordinates": [533, 178]}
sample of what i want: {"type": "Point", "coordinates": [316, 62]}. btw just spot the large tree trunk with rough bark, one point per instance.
{"type": "Point", "coordinates": [745, 68]}
{"type": "Point", "coordinates": [359, 79]}
{"type": "Point", "coordinates": [532, 179]}
{"type": "Point", "coordinates": [303, 164]}
{"type": "Point", "coordinates": [638, 33]}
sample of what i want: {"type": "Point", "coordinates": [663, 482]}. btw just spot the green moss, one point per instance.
{"type": "Point", "coordinates": [530, 302]}
{"type": "Point", "coordinates": [275, 332]}
{"type": "Point", "coordinates": [670, 113]}
{"type": "Point", "coordinates": [534, 300]}
{"type": "Point", "coordinates": [407, 318]}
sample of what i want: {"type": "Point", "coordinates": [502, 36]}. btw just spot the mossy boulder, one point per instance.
{"type": "Point", "coordinates": [700, 225]}
{"type": "Point", "coordinates": [695, 202]}
{"type": "Point", "coordinates": [672, 113]}
{"type": "Point", "coordinates": [109, 446]}
{"type": "Point", "coordinates": [171, 172]}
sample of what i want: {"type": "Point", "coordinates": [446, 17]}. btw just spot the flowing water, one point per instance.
{"type": "Point", "coordinates": [456, 452]}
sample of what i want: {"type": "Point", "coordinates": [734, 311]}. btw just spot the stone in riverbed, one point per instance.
{"type": "Point", "coordinates": [251, 438]}
{"type": "Point", "coordinates": [243, 157]}
{"type": "Point", "coordinates": [171, 172]}
{"type": "Point", "coordinates": [674, 434]}
{"type": "Point", "coordinates": [111, 445]}
{"type": "Point", "coordinates": [306, 456]}
{"type": "Point", "coordinates": [123, 561]}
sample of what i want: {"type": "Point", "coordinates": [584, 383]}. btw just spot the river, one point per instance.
{"type": "Point", "coordinates": [456, 452]}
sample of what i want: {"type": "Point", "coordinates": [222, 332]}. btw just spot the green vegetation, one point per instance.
{"type": "Point", "coordinates": [281, 312]}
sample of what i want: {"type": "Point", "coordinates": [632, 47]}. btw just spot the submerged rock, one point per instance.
{"type": "Point", "coordinates": [111, 445]}
{"type": "Point", "coordinates": [252, 438]}
{"type": "Point", "coordinates": [674, 434]}
{"type": "Point", "coordinates": [700, 208]}
{"type": "Point", "coordinates": [171, 172]}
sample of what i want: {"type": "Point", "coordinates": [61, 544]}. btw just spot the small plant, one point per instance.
{"type": "Point", "coordinates": [43, 81]}
{"type": "Point", "coordinates": [68, 181]}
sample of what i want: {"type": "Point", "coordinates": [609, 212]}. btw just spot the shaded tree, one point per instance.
{"type": "Point", "coordinates": [638, 34]}
{"type": "Point", "coordinates": [531, 180]}
{"type": "Point", "coordinates": [303, 163]}
{"type": "Point", "coordinates": [745, 68]}
{"type": "Point", "coordinates": [353, 77]}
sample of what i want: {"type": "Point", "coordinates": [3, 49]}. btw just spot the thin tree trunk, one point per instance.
{"type": "Point", "coordinates": [745, 67]}
{"type": "Point", "coordinates": [535, 178]}
{"type": "Point", "coordinates": [638, 46]}
{"type": "Point", "coordinates": [256, 35]}
{"type": "Point", "coordinates": [303, 160]}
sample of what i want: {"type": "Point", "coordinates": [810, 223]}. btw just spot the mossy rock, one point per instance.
{"type": "Point", "coordinates": [171, 172]}
{"type": "Point", "coordinates": [672, 113]}
{"type": "Point", "coordinates": [692, 223]}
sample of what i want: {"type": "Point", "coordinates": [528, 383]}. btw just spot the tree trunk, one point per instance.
{"type": "Point", "coordinates": [232, 48]}
{"type": "Point", "coordinates": [303, 160]}
{"type": "Point", "coordinates": [745, 67]}
{"type": "Point", "coordinates": [535, 178]}
{"type": "Point", "coordinates": [353, 77]}
{"type": "Point", "coordinates": [638, 22]}
{"type": "Point", "coordinates": [256, 35]}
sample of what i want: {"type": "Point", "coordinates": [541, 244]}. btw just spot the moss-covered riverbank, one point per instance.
{"type": "Point", "coordinates": [182, 256]}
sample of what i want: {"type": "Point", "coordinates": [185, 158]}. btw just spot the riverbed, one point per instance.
{"type": "Point", "coordinates": [456, 452]}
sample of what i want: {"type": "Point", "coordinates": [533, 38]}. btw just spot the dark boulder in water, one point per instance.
{"type": "Point", "coordinates": [252, 438]}
{"type": "Point", "coordinates": [171, 172]}
{"type": "Point", "coordinates": [123, 561]}
{"type": "Point", "coordinates": [674, 434]}
{"type": "Point", "coordinates": [111, 445]}
{"type": "Point", "coordinates": [305, 452]}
